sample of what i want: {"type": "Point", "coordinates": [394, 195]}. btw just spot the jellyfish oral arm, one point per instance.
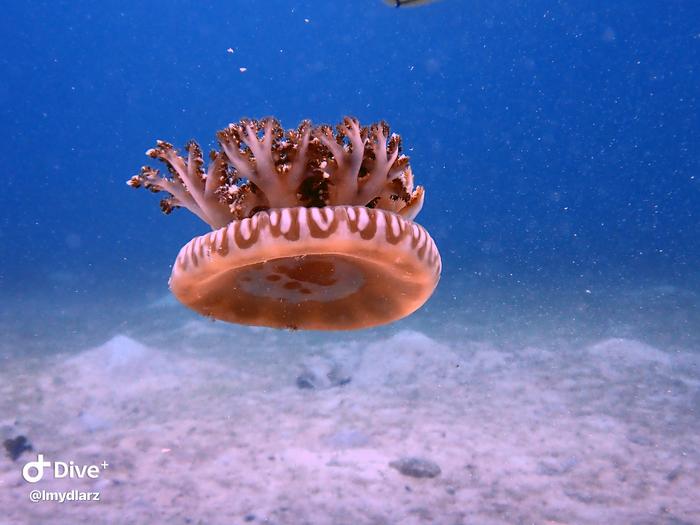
{"type": "Point", "coordinates": [189, 186]}
{"type": "Point", "coordinates": [257, 164]}
{"type": "Point", "coordinates": [150, 179]}
{"type": "Point", "coordinates": [298, 170]}
{"type": "Point", "coordinates": [415, 205]}
{"type": "Point", "coordinates": [261, 166]}
{"type": "Point", "coordinates": [384, 159]}
{"type": "Point", "coordinates": [347, 161]}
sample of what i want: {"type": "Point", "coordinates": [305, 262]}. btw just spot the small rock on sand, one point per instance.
{"type": "Point", "coordinates": [15, 447]}
{"type": "Point", "coordinates": [321, 373]}
{"type": "Point", "coordinates": [416, 467]}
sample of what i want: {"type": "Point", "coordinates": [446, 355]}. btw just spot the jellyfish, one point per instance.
{"type": "Point", "coordinates": [312, 228]}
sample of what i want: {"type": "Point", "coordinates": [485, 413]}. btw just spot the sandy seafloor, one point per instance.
{"type": "Point", "coordinates": [538, 407]}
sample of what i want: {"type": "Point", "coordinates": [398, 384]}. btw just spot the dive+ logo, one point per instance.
{"type": "Point", "coordinates": [33, 471]}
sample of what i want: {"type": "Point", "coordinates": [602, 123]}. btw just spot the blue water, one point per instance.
{"type": "Point", "coordinates": [558, 142]}
{"type": "Point", "coordinates": [551, 138]}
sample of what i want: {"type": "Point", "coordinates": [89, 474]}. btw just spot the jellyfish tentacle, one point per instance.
{"type": "Point", "coordinates": [216, 174]}
{"type": "Point", "coordinates": [298, 170]}
{"type": "Point", "coordinates": [192, 175]}
{"type": "Point", "coordinates": [414, 205]}
{"type": "Point", "coordinates": [188, 184]}
{"type": "Point", "coordinates": [266, 177]}
{"type": "Point", "coordinates": [384, 159]}
{"type": "Point", "coordinates": [351, 129]}
{"type": "Point", "coordinates": [230, 141]}
{"type": "Point", "coordinates": [256, 162]}
{"type": "Point", "coordinates": [150, 179]}
{"type": "Point", "coordinates": [259, 166]}
{"type": "Point", "coordinates": [214, 180]}
{"type": "Point", "coordinates": [344, 171]}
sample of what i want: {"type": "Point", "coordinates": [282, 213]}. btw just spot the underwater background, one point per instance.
{"type": "Point", "coordinates": [554, 376]}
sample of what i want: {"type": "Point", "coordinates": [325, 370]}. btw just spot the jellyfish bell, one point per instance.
{"type": "Point", "coordinates": [311, 229]}
{"type": "Point", "coordinates": [339, 267]}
